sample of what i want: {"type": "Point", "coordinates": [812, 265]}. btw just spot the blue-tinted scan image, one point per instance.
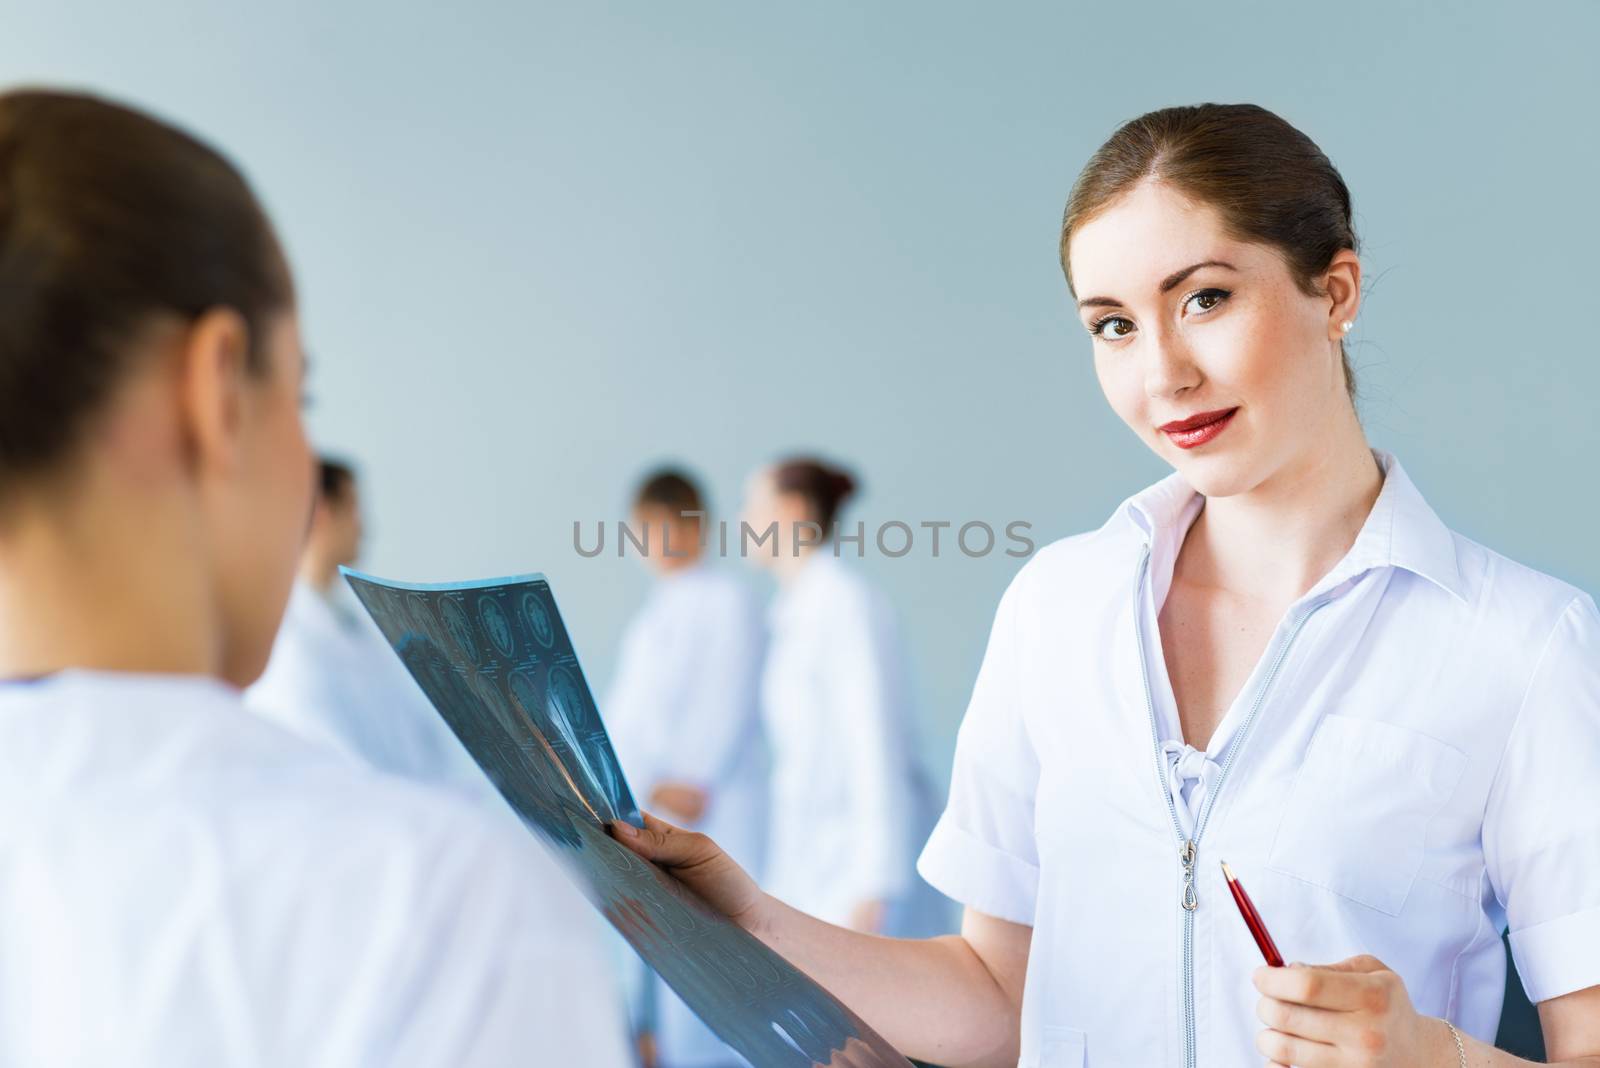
{"type": "Point", "coordinates": [495, 660]}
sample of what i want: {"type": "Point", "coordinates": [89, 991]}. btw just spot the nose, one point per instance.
{"type": "Point", "coordinates": [1168, 368]}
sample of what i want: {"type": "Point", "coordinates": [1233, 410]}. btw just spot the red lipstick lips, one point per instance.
{"type": "Point", "coordinates": [1198, 429]}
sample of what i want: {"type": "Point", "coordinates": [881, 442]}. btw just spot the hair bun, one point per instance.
{"type": "Point", "coordinates": [825, 486]}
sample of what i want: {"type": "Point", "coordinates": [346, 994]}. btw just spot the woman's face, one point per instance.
{"type": "Point", "coordinates": [758, 512]}
{"type": "Point", "coordinates": [1187, 321]}
{"type": "Point", "coordinates": [261, 512]}
{"type": "Point", "coordinates": [763, 508]}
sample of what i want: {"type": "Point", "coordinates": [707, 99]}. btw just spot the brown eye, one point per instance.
{"type": "Point", "coordinates": [1112, 327]}
{"type": "Point", "coordinates": [1206, 299]}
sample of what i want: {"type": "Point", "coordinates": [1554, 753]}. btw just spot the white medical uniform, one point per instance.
{"type": "Point", "coordinates": [684, 709]}
{"type": "Point", "coordinates": [333, 678]}
{"type": "Point", "coordinates": [184, 884]}
{"type": "Point", "coordinates": [1409, 768]}
{"type": "Point", "coordinates": [851, 801]}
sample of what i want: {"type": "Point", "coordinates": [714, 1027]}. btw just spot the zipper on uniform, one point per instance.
{"type": "Point", "coordinates": [1189, 846]}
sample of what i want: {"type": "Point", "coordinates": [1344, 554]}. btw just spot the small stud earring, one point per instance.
{"type": "Point", "coordinates": [1346, 326]}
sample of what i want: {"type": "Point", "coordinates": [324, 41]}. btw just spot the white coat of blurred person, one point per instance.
{"type": "Point", "coordinates": [184, 884]}
{"type": "Point", "coordinates": [684, 717]}
{"type": "Point", "coordinates": [852, 804]}
{"type": "Point", "coordinates": [333, 677]}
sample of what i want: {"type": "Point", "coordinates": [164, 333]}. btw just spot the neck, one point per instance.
{"type": "Point", "coordinates": [80, 587]}
{"type": "Point", "coordinates": [319, 572]}
{"type": "Point", "coordinates": [672, 565]}
{"type": "Point", "coordinates": [1277, 539]}
{"type": "Point", "coordinates": [788, 566]}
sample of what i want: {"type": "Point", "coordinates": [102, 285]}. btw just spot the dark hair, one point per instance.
{"type": "Point", "coordinates": [824, 487]}
{"type": "Point", "coordinates": [672, 489]}
{"type": "Point", "coordinates": [108, 218]}
{"type": "Point", "coordinates": [1269, 182]}
{"type": "Point", "coordinates": [335, 478]}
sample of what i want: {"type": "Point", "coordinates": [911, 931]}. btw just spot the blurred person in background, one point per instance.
{"type": "Point", "coordinates": [332, 675]}
{"type": "Point", "coordinates": [852, 803]}
{"type": "Point", "coordinates": [181, 882]}
{"type": "Point", "coordinates": [334, 679]}
{"type": "Point", "coordinates": [684, 716]}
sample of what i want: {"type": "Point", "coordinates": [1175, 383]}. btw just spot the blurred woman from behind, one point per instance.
{"type": "Point", "coordinates": [182, 883]}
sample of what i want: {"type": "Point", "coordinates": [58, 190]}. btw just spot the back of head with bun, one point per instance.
{"type": "Point", "coordinates": [825, 488]}
{"type": "Point", "coordinates": [109, 218]}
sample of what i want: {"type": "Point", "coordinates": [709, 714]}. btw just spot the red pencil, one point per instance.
{"type": "Point", "coordinates": [1252, 919]}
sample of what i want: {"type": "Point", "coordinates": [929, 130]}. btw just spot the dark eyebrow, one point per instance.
{"type": "Point", "coordinates": [1167, 284]}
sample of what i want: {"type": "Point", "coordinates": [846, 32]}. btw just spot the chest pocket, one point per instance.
{"type": "Point", "coordinates": [1059, 1047]}
{"type": "Point", "coordinates": [1357, 817]}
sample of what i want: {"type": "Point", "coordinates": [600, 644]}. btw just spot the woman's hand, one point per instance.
{"type": "Point", "coordinates": [1344, 1015]}
{"type": "Point", "coordinates": [700, 864]}
{"type": "Point", "coordinates": [950, 1000]}
{"type": "Point", "coordinates": [645, 1048]}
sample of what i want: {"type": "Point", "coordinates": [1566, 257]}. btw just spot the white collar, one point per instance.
{"type": "Point", "coordinates": [816, 573]}
{"type": "Point", "coordinates": [1400, 531]}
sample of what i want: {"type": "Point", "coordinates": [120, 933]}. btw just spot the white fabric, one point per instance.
{"type": "Point", "coordinates": [333, 678]}
{"type": "Point", "coordinates": [684, 708]}
{"type": "Point", "coordinates": [183, 884]}
{"type": "Point", "coordinates": [851, 803]}
{"type": "Point", "coordinates": [1190, 773]}
{"type": "Point", "coordinates": [1420, 774]}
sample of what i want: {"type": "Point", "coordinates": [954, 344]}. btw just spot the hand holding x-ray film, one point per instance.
{"type": "Point", "coordinates": [495, 660]}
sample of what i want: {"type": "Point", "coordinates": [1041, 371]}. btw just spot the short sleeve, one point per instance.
{"type": "Point", "coordinates": [982, 852]}
{"type": "Point", "coordinates": [1541, 833]}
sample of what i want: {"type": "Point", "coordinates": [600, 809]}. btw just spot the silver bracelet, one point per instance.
{"type": "Point", "coordinates": [1461, 1050]}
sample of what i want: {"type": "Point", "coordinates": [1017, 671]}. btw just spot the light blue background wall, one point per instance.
{"type": "Point", "coordinates": [543, 244]}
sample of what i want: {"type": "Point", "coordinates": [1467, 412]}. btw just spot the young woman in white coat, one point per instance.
{"type": "Point", "coordinates": [851, 802]}
{"type": "Point", "coordinates": [1278, 656]}
{"type": "Point", "coordinates": [181, 882]}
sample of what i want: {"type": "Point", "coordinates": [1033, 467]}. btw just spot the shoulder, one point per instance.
{"type": "Point", "coordinates": [722, 589]}
{"type": "Point", "coordinates": [344, 807]}
{"type": "Point", "coordinates": [1079, 573]}
{"type": "Point", "coordinates": [231, 788]}
{"type": "Point", "coordinates": [402, 897]}
{"type": "Point", "coordinates": [702, 605]}
{"type": "Point", "coordinates": [1493, 578]}
{"type": "Point", "coordinates": [850, 598]}
{"type": "Point", "coordinates": [318, 872]}
{"type": "Point", "coordinates": [431, 886]}
{"type": "Point", "coordinates": [1510, 605]}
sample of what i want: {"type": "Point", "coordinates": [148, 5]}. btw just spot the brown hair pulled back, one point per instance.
{"type": "Point", "coordinates": [108, 218]}
{"type": "Point", "coordinates": [1269, 182]}
{"type": "Point", "coordinates": [824, 487]}
{"type": "Point", "coordinates": [335, 479]}
{"type": "Point", "coordinates": [672, 489]}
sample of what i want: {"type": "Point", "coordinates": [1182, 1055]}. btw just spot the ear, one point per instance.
{"type": "Point", "coordinates": [1342, 284]}
{"type": "Point", "coordinates": [213, 366]}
